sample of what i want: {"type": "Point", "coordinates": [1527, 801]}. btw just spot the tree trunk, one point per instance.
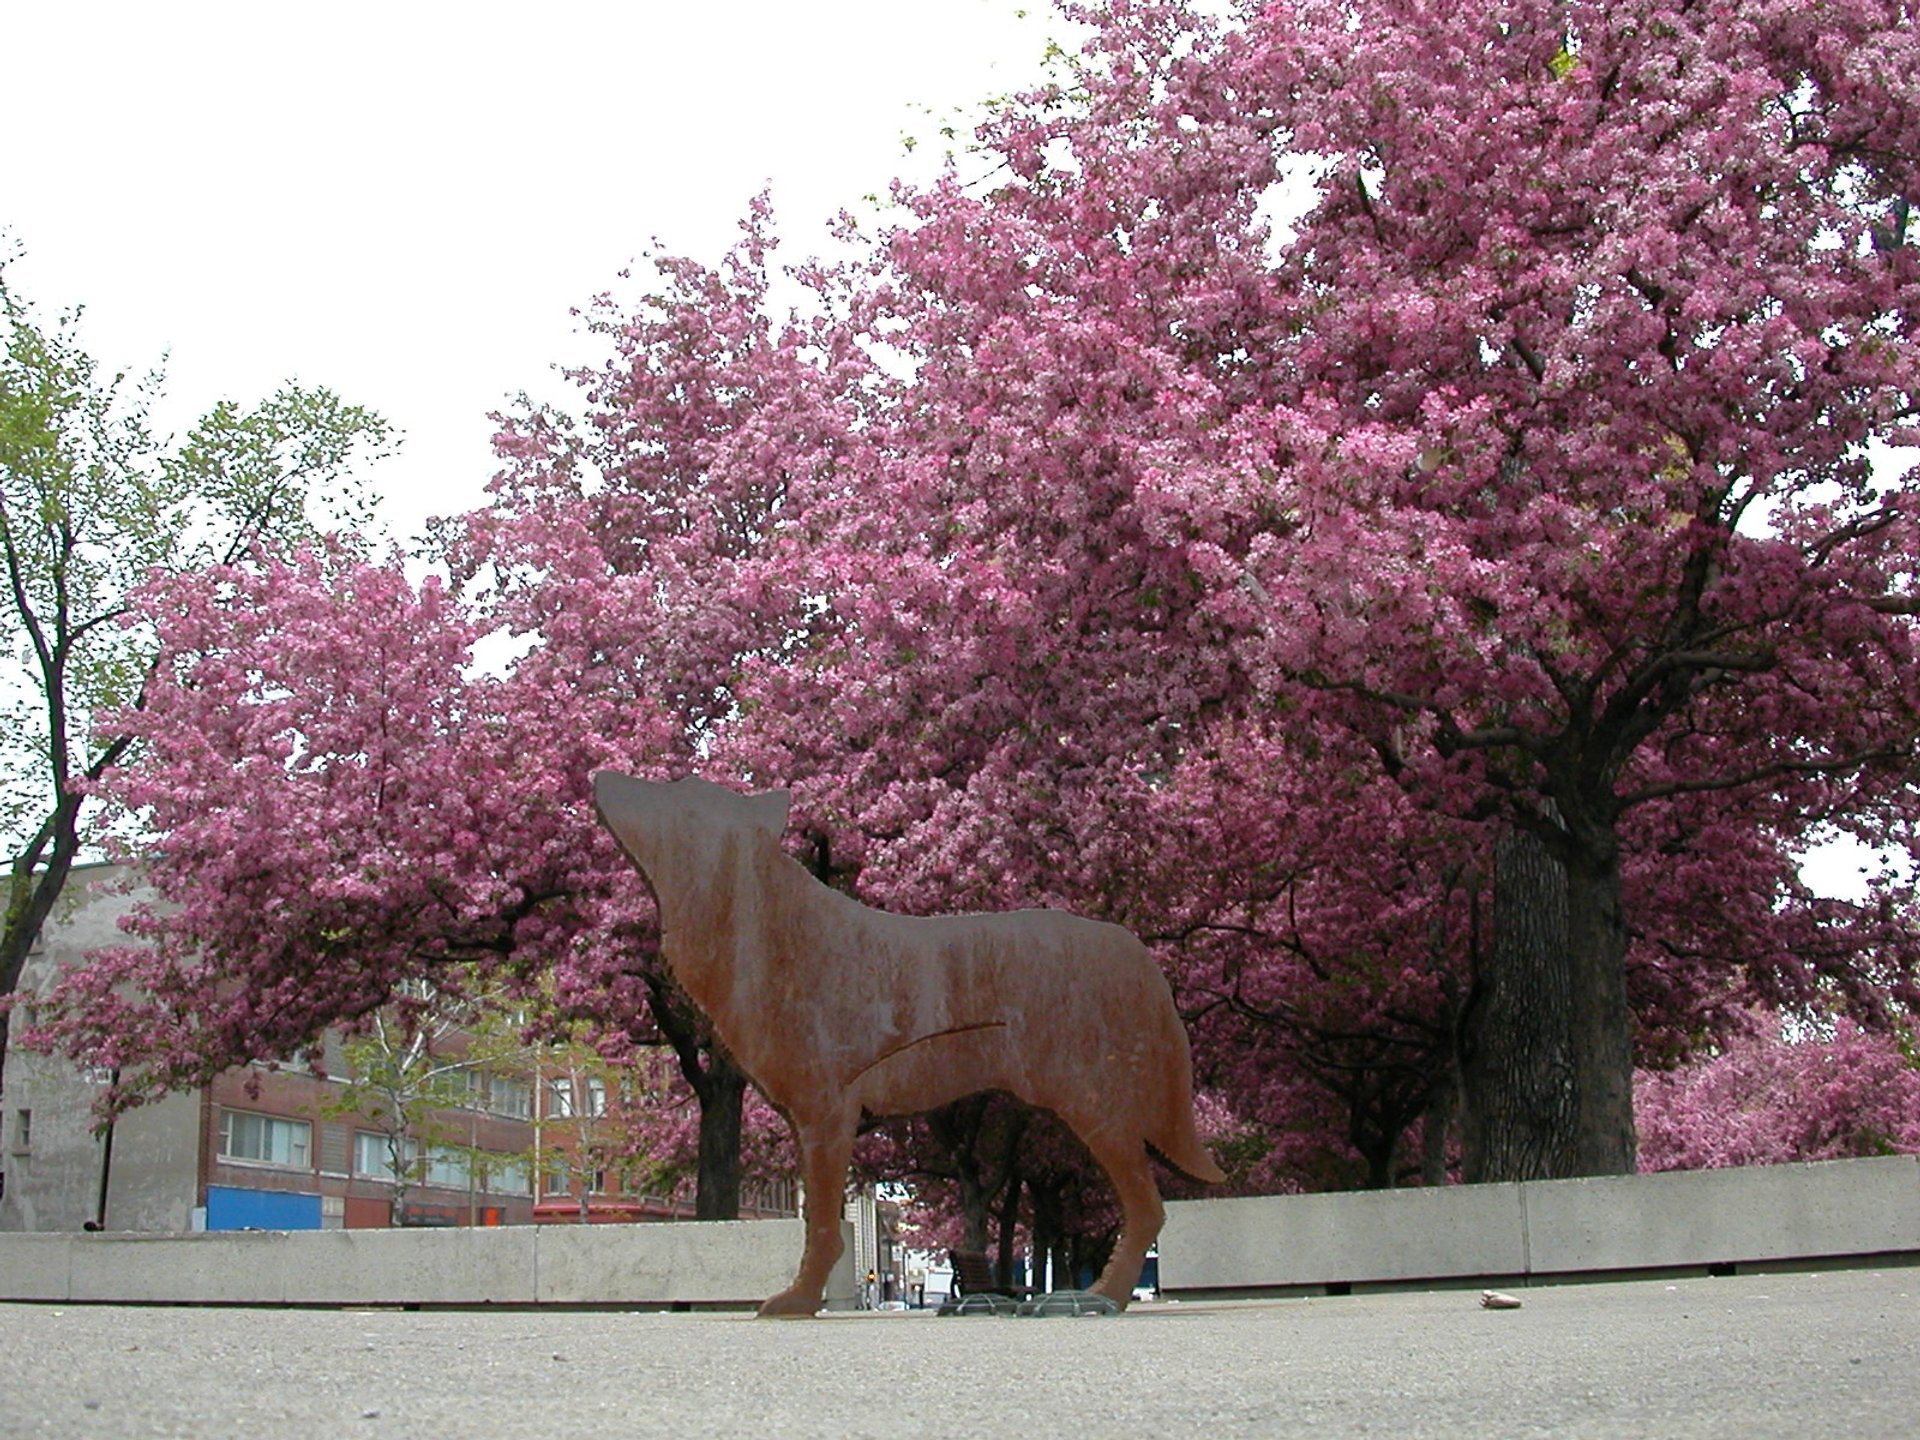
{"type": "Point", "coordinates": [957, 1129]}
{"type": "Point", "coordinates": [1546, 1044]}
{"type": "Point", "coordinates": [1435, 1123]}
{"type": "Point", "coordinates": [975, 1214]}
{"type": "Point", "coordinates": [1605, 1142]}
{"type": "Point", "coordinates": [718, 1085]}
{"type": "Point", "coordinates": [39, 875]}
{"type": "Point", "coordinates": [722, 1094]}
{"type": "Point", "coordinates": [1377, 1152]}
{"type": "Point", "coordinates": [1517, 1059]}
{"type": "Point", "coordinates": [1009, 1223]}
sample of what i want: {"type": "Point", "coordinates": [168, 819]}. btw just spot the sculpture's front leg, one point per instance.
{"type": "Point", "coordinates": [826, 1149]}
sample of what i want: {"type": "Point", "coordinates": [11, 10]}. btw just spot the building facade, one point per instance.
{"type": "Point", "coordinates": [284, 1148]}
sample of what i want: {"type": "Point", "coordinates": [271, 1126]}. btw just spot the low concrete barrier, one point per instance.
{"type": "Point", "coordinates": [1681, 1220]}
{"type": "Point", "coordinates": [1725, 1217]}
{"type": "Point", "coordinates": [1693, 1220]}
{"type": "Point", "coordinates": [1280, 1242]}
{"type": "Point", "coordinates": [724, 1264]}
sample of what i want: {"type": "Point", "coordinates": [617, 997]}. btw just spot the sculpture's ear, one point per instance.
{"type": "Point", "coordinates": [770, 811]}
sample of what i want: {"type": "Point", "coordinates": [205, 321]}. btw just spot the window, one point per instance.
{"type": "Point", "coordinates": [22, 1131]}
{"type": "Point", "coordinates": [265, 1138]}
{"type": "Point", "coordinates": [447, 1167]}
{"type": "Point", "coordinates": [373, 1154]}
{"type": "Point", "coordinates": [596, 1096]}
{"type": "Point", "coordinates": [508, 1177]}
{"type": "Point", "coordinates": [511, 1097]}
{"type": "Point", "coordinates": [560, 1098]}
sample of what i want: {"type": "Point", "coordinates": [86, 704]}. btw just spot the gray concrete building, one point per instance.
{"type": "Point", "coordinates": [60, 1167]}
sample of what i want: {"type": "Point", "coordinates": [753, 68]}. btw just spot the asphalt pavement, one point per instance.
{"type": "Point", "coordinates": [1801, 1355]}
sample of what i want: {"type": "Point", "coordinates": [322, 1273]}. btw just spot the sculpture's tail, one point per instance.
{"type": "Point", "coordinates": [1184, 1150]}
{"type": "Point", "coordinates": [1178, 1140]}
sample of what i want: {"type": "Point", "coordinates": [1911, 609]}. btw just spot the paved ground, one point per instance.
{"type": "Point", "coordinates": [1749, 1357]}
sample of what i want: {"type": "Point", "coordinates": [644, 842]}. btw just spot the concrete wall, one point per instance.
{"type": "Point", "coordinates": [722, 1264]}
{"type": "Point", "coordinates": [1679, 1220]}
{"type": "Point", "coordinates": [1270, 1245]}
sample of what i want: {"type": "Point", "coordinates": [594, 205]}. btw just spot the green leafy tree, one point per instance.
{"type": "Point", "coordinates": [91, 503]}
{"type": "Point", "coordinates": [403, 1073]}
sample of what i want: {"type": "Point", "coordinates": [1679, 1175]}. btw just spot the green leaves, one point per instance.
{"type": "Point", "coordinates": [91, 503]}
{"type": "Point", "coordinates": [281, 472]}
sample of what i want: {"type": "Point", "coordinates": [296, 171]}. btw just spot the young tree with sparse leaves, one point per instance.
{"type": "Point", "coordinates": [403, 1070]}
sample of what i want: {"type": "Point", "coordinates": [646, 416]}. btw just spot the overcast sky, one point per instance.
{"type": "Point", "coordinates": [402, 201]}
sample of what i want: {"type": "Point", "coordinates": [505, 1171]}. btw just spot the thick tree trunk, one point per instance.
{"type": "Point", "coordinates": [976, 1215]}
{"type": "Point", "coordinates": [957, 1129]}
{"type": "Point", "coordinates": [1377, 1151]}
{"type": "Point", "coordinates": [1009, 1223]}
{"type": "Point", "coordinates": [1517, 1064]}
{"type": "Point", "coordinates": [34, 886]}
{"type": "Point", "coordinates": [1546, 1053]}
{"type": "Point", "coordinates": [1605, 1142]}
{"type": "Point", "coordinates": [722, 1094]}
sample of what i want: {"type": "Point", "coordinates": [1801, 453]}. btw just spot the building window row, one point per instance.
{"type": "Point", "coordinates": [266, 1139]}
{"type": "Point", "coordinates": [439, 1165]}
{"type": "Point", "coordinates": [512, 1098]}
{"type": "Point", "coordinates": [499, 1094]}
{"type": "Point", "coordinates": [276, 1140]}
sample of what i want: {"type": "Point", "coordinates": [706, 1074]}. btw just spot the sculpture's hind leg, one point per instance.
{"type": "Point", "coordinates": [826, 1149]}
{"type": "Point", "coordinates": [1142, 1214]}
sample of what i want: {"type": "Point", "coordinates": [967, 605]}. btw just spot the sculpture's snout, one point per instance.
{"type": "Point", "coordinates": [607, 784]}
{"type": "Point", "coordinates": [622, 803]}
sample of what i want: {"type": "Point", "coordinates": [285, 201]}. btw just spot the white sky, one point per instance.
{"type": "Point", "coordinates": [403, 201]}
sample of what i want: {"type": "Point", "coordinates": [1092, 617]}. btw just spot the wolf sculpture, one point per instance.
{"type": "Point", "coordinates": [833, 1008]}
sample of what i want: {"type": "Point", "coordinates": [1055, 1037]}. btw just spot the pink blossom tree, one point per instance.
{"type": "Point", "coordinates": [1533, 455]}
{"type": "Point", "coordinates": [657, 543]}
{"type": "Point", "coordinates": [1768, 1097]}
{"type": "Point", "coordinates": [91, 499]}
{"type": "Point", "coordinates": [1609, 453]}
{"type": "Point", "coordinates": [1093, 466]}
{"type": "Point", "coordinates": [341, 805]}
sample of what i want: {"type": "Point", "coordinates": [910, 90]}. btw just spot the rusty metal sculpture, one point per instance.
{"type": "Point", "coordinates": [833, 1008]}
